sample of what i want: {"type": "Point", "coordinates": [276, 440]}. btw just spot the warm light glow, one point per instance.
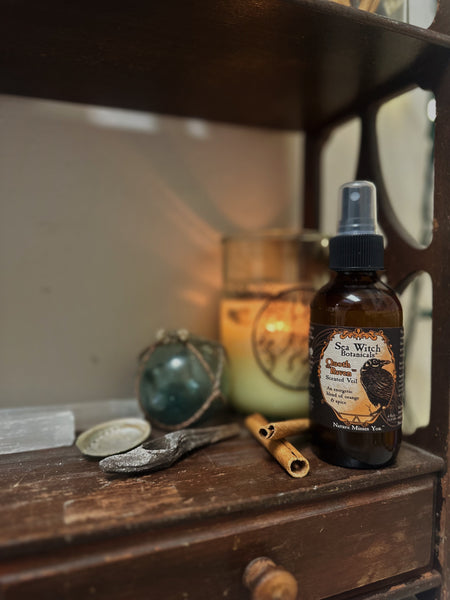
{"type": "Point", "coordinates": [267, 346]}
{"type": "Point", "coordinates": [277, 326]}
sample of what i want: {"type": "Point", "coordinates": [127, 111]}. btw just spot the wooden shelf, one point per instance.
{"type": "Point", "coordinates": [61, 516]}
{"type": "Point", "coordinates": [67, 530]}
{"type": "Point", "coordinates": [272, 63]}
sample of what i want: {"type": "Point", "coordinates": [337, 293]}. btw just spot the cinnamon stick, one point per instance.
{"type": "Point", "coordinates": [285, 453]}
{"type": "Point", "coordinates": [283, 429]}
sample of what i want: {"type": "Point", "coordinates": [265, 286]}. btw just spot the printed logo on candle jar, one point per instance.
{"type": "Point", "coordinates": [357, 376]}
{"type": "Point", "coordinates": [280, 338]}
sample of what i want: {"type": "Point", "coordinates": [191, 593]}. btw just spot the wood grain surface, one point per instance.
{"type": "Point", "coordinates": [67, 528]}
{"type": "Point", "coordinates": [295, 65]}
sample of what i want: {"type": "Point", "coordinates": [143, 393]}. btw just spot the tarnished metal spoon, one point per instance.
{"type": "Point", "coordinates": [162, 452]}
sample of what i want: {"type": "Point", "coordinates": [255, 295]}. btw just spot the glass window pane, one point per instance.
{"type": "Point", "coordinates": [405, 128]}
{"type": "Point", "coordinates": [417, 303]}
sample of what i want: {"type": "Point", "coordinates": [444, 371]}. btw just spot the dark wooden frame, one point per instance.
{"type": "Point", "coordinates": [299, 64]}
{"type": "Point", "coordinates": [405, 258]}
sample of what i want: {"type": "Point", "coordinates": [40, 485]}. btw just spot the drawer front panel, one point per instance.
{"type": "Point", "coordinates": [331, 547]}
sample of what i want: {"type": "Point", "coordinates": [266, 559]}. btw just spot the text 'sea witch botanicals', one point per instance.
{"type": "Point", "coordinates": [356, 345]}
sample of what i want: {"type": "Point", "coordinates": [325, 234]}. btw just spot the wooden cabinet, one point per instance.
{"type": "Point", "coordinates": [67, 531]}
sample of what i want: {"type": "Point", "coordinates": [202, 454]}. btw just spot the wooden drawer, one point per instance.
{"type": "Point", "coordinates": [331, 546]}
{"type": "Point", "coordinates": [68, 531]}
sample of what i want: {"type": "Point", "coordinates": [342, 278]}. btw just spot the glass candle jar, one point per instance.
{"type": "Point", "coordinates": [269, 280]}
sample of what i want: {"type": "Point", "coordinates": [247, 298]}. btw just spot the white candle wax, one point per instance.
{"type": "Point", "coordinates": [267, 347]}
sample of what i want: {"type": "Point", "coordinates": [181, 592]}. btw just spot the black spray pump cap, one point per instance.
{"type": "Point", "coordinates": [357, 246]}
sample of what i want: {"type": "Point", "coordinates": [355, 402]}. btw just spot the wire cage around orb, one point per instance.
{"type": "Point", "coordinates": [182, 380]}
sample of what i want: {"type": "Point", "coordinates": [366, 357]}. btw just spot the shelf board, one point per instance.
{"type": "Point", "coordinates": [272, 63]}
{"type": "Point", "coordinates": [55, 497]}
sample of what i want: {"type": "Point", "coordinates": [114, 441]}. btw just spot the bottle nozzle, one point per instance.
{"type": "Point", "coordinates": [358, 201]}
{"type": "Point", "coordinates": [357, 245]}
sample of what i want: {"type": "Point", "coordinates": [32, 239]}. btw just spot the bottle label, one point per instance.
{"type": "Point", "coordinates": [356, 377]}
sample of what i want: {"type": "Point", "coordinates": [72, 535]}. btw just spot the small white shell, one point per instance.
{"type": "Point", "coordinates": [113, 437]}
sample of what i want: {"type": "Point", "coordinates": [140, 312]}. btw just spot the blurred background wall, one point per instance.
{"type": "Point", "coordinates": [110, 229]}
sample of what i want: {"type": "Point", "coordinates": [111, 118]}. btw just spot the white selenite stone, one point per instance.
{"type": "Point", "coordinates": [25, 429]}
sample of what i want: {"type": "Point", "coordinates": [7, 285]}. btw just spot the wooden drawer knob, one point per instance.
{"type": "Point", "coordinates": [268, 581]}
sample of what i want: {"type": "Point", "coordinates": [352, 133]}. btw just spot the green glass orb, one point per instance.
{"type": "Point", "coordinates": [182, 381]}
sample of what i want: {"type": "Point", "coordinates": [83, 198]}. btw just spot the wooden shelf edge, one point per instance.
{"type": "Point", "coordinates": [429, 34]}
{"type": "Point", "coordinates": [257, 63]}
{"type": "Point", "coordinates": [79, 490]}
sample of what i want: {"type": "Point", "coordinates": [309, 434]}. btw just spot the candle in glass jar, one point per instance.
{"type": "Point", "coordinates": [266, 338]}
{"type": "Point", "coordinates": [269, 280]}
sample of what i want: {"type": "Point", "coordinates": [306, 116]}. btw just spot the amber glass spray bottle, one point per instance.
{"type": "Point", "coordinates": [356, 345]}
